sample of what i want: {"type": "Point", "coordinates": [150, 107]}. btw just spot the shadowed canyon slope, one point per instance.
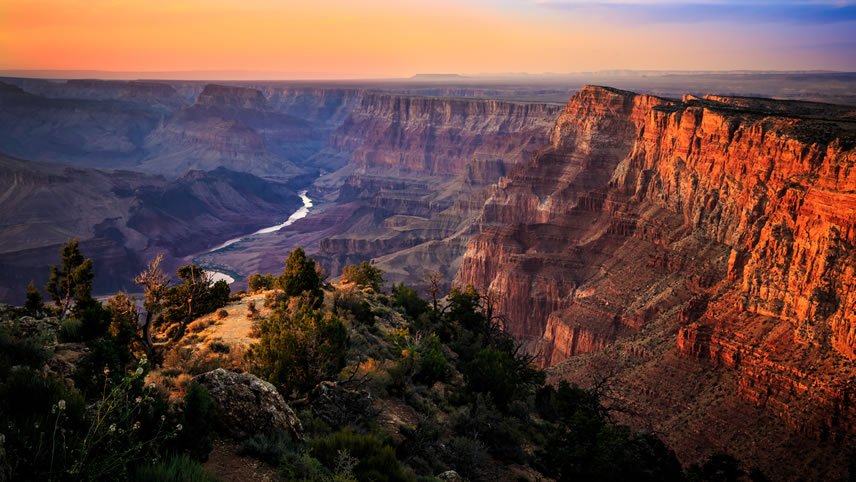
{"type": "Point", "coordinates": [714, 232]}
{"type": "Point", "coordinates": [122, 218]}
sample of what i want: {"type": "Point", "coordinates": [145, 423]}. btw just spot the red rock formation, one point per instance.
{"type": "Point", "coordinates": [439, 136]}
{"type": "Point", "coordinates": [723, 229]}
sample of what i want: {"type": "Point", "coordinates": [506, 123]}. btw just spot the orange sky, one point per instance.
{"type": "Point", "coordinates": [368, 38]}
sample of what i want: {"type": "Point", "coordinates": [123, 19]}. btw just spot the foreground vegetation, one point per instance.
{"type": "Point", "coordinates": [387, 386]}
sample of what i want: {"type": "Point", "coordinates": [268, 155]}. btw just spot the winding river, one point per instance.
{"type": "Point", "coordinates": [301, 213]}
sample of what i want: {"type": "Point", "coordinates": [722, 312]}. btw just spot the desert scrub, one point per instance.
{"type": "Point", "coordinates": [180, 468]}
{"type": "Point", "coordinates": [52, 436]}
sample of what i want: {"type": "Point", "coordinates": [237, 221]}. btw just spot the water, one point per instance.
{"type": "Point", "coordinates": [301, 213]}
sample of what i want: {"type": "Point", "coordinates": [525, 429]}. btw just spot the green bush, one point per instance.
{"type": "Point", "coordinates": [270, 447]}
{"type": "Point", "coordinates": [301, 276]}
{"type": "Point", "coordinates": [376, 460]}
{"type": "Point", "coordinates": [258, 281]}
{"type": "Point", "coordinates": [180, 468]}
{"type": "Point", "coordinates": [28, 417]}
{"type": "Point", "coordinates": [364, 275]}
{"type": "Point", "coordinates": [299, 347]}
{"type": "Point", "coordinates": [409, 301]}
{"type": "Point", "coordinates": [15, 350]}
{"type": "Point", "coordinates": [432, 364]}
{"type": "Point", "coordinates": [71, 330]}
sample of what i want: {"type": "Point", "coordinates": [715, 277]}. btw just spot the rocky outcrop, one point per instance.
{"type": "Point", "coordinates": [440, 136]}
{"type": "Point", "coordinates": [248, 405]}
{"type": "Point", "coordinates": [716, 228]}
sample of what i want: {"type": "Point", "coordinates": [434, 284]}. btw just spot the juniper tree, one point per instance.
{"type": "Point", "coordinates": [71, 281]}
{"type": "Point", "coordinates": [301, 276]}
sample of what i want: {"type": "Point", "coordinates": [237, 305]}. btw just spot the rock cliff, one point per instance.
{"type": "Point", "coordinates": [439, 136]}
{"type": "Point", "coordinates": [715, 230]}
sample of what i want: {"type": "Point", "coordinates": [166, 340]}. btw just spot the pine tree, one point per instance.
{"type": "Point", "coordinates": [71, 281]}
{"type": "Point", "coordinates": [34, 304]}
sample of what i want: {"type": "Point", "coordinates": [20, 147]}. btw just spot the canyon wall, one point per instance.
{"type": "Point", "coordinates": [712, 230]}
{"type": "Point", "coordinates": [440, 136]}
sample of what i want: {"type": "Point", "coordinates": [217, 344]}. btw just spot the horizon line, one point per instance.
{"type": "Point", "coordinates": [268, 76]}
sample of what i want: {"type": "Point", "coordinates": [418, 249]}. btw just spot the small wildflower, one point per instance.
{"type": "Point", "coordinates": [178, 428]}
{"type": "Point", "coordinates": [112, 428]}
{"type": "Point", "coordinates": [138, 399]}
{"type": "Point", "coordinates": [136, 425]}
{"type": "Point", "coordinates": [139, 371]}
{"type": "Point", "coordinates": [106, 371]}
{"type": "Point", "coordinates": [2, 438]}
{"type": "Point", "coordinates": [163, 417]}
{"type": "Point", "coordinates": [143, 361]}
{"type": "Point", "coordinates": [60, 404]}
{"type": "Point", "coordinates": [152, 386]}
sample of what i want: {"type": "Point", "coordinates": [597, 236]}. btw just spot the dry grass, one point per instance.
{"type": "Point", "coordinates": [216, 340]}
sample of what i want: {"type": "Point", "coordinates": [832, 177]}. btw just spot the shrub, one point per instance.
{"type": "Point", "coordinates": [222, 314]}
{"type": "Point", "coordinates": [219, 347]}
{"type": "Point", "coordinates": [409, 301]}
{"type": "Point", "coordinates": [20, 351]}
{"type": "Point", "coordinates": [198, 419]}
{"type": "Point", "coordinates": [493, 372]}
{"type": "Point", "coordinates": [71, 330]}
{"type": "Point", "coordinates": [299, 346]}
{"type": "Point", "coordinates": [356, 305]}
{"type": "Point", "coordinates": [270, 447]}
{"type": "Point", "coordinates": [364, 275]}
{"type": "Point", "coordinates": [432, 365]}
{"type": "Point", "coordinates": [377, 460]}
{"type": "Point", "coordinates": [181, 468]}
{"type": "Point", "coordinates": [258, 281]}
{"type": "Point", "coordinates": [301, 276]}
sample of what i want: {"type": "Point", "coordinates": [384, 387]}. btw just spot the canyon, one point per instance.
{"type": "Point", "coordinates": [693, 255]}
{"type": "Point", "coordinates": [655, 236]}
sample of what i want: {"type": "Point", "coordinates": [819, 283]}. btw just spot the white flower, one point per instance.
{"type": "Point", "coordinates": [163, 417]}
{"type": "Point", "coordinates": [112, 428]}
{"type": "Point", "coordinates": [2, 438]}
{"type": "Point", "coordinates": [138, 399]}
{"type": "Point", "coordinates": [60, 404]}
{"type": "Point", "coordinates": [178, 428]}
{"type": "Point", "coordinates": [106, 371]}
{"type": "Point", "coordinates": [139, 371]}
{"type": "Point", "coordinates": [152, 386]}
{"type": "Point", "coordinates": [136, 425]}
{"type": "Point", "coordinates": [143, 361]}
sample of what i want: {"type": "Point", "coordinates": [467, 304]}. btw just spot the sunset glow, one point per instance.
{"type": "Point", "coordinates": [383, 38]}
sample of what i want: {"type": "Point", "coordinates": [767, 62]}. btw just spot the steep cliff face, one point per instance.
{"type": "Point", "coordinates": [228, 126]}
{"type": "Point", "coordinates": [439, 136]}
{"type": "Point", "coordinates": [717, 228]}
{"type": "Point", "coordinates": [419, 165]}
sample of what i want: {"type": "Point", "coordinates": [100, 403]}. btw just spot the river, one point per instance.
{"type": "Point", "coordinates": [301, 213]}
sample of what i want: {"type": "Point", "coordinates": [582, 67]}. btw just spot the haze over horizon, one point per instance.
{"type": "Point", "coordinates": [336, 39]}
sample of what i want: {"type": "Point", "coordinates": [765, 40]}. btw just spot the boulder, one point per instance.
{"type": "Point", "coordinates": [450, 476]}
{"type": "Point", "coordinates": [248, 405]}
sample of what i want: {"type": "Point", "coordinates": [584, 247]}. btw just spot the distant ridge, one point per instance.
{"type": "Point", "coordinates": [437, 77]}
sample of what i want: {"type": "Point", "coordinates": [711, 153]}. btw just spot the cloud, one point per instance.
{"type": "Point", "coordinates": [693, 11]}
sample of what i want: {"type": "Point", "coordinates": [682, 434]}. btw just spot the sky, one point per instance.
{"type": "Point", "coordinates": [399, 38]}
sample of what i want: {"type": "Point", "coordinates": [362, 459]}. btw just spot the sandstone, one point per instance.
{"type": "Point", "coordinates": [719, 228]}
